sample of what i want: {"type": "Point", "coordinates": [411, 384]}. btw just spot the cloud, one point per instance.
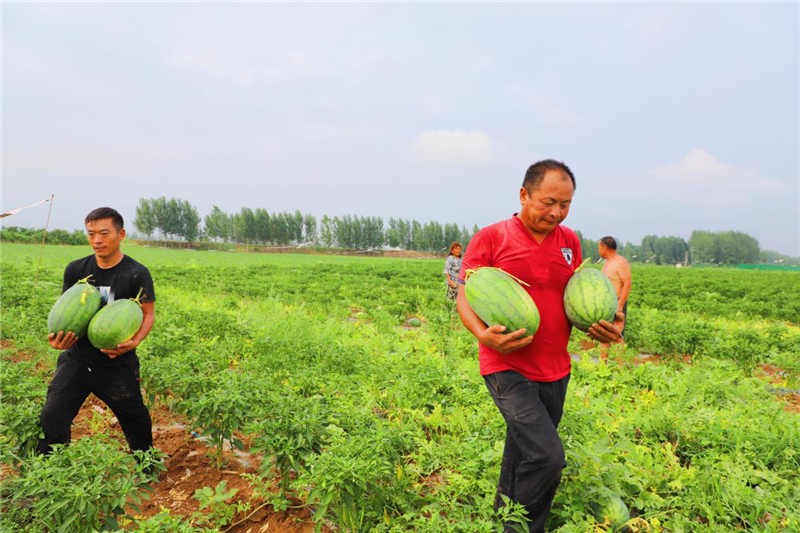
{"type": "Point", "coordinates": [453, 147]}
{"type": "Point", "coordinates": [700, 179]}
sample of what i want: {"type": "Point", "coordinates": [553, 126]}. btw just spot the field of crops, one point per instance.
{"type": "Point", "coordinates": [372, 425]}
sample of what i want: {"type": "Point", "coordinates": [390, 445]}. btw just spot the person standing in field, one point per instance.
{"type": "Point", "coordinates": [82, 369]}
{"type": "Point", "coordinates": [452, 268]}
{"type": "Point", "coordinates": [526, 375]}
{"type": "Point", "coordinates": [617, 269]}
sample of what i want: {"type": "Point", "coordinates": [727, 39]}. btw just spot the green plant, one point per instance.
{"type": "Point", "coordinates": [220, 412]}
{"type": "Point", "coordinates": [219, 512]}
{"type": "Point", "coordinates": [82, 487]}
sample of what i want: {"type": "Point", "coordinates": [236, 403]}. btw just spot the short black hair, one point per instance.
{"type": "Point", "coordinates": [106, 212]}
{"type": "Point", "coordinates": [536, 172]}
{"type": "Point", "coordinates": [609, 242]}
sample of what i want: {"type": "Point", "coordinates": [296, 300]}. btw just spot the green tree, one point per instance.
{"type": "Point", "coordinates": [263, 226]}
{"type": "Point", "coordinates": [393, 237]}
{"type": "Point", "coordinates": [189, 221]}
{"type": "Point", "coordinates": [145, 220]}
{"type": "Point", "coordinates": [309, 228]}
{"type": "Point", "coordinates": [217, 224]}
{"type": "Point", "coordinates": [326, 231]}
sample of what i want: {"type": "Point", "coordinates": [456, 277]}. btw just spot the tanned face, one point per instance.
{"type": "Point", "coordinates": [457, 251]}
{"type": "Point", "coordinates": [546, 206]}
{"type": "Point", "coordinates": [602, 249]}
{"type": "Point", "coordinates": [104, 237]}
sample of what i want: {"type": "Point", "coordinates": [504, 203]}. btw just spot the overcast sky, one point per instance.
{"type": "Point", "coordinates": [673, 117]}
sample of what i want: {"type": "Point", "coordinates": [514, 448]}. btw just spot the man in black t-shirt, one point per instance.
{"type": "Point", "coordinates": [111, 375]}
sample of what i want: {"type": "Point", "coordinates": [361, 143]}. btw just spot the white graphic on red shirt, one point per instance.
{"type": "Point", "coordinates": [567, 253]}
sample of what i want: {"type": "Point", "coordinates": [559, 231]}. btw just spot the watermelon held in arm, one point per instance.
{"type": "Point", "coordinates": [116, 323]}
{"type": "Point", "coordinates": [589, 298]}
{"type": "Point", "coordinates": [498, 298]}
{"type": "Point", "coordinates": [74, 309]}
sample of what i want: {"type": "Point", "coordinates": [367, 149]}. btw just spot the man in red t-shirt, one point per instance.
{"type": "Point", "coordinates": [527, 375]}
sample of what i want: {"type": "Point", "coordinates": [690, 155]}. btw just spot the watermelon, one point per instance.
{"type": "Point", "coordinates": [74, 309]}
{"type": "Point", "coordinates": [498, 298]}
{"type": "Point", "coordinates": [615, 511]}
{"type": "Point", "coordinates": [589, 298]}
{"type": "Point", "coordinates": [115, 323]}
{"type": "Point", "coordinates": [414, 321]}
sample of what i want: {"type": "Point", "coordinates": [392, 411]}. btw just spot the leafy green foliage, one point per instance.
{"type": "Point", "coordinates": [215, 502]}
{"type": "Point", "coordinates": [22, 395]}
{"type": "Point", "coordinates": [81, 487]}
{"type": "Point", "coordinates": [381, 428]}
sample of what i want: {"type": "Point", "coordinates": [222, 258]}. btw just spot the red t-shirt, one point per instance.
{"type": "Point", "coordinates": [546, 267]}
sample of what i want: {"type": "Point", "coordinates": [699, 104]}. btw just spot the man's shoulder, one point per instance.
{"type": "Point", "coordinates": [134, 265]}
{"type": "Point", "coordinates": [617, 260]}
{"type": "Point", "coordinates": [500, 227]}
{"type": "Point", "coordinates": [80, 264]}
{"type": "Point", "coordinates": [567, 233]}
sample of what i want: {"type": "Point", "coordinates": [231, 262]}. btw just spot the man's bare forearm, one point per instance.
{"type": "Point", "coordinates": [148, 310]}
{"type": "Point", "coordinates": [468, 317]}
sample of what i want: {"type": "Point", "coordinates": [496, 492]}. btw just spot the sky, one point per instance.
{"type": "Point", "coordinates": [673, 117]}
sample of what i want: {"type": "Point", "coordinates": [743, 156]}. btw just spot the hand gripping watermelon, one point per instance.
{"type": "Point", "coordinates": [589, 298]}
{"type": "Point", "coordinates": [116, 323]}
{"type": "Point", "coordinates": [74, 309]}
{"type": "Point", "coordinates": [498, 298]}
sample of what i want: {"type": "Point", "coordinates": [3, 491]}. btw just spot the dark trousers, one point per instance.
{"type": "Point", "coordinates": [116, 385]}
{"type": "Point", "coordinates": [533, 457]}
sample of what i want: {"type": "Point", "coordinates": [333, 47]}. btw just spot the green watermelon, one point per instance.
{"type": "Point", "coordinates": [115, 323]}
{"type": "Point", "coordinates": [616, 512]}
{"type": "Point", "coordinates": [74, 309]}
{"type": "Point", "coordinates": [414, 321]}
{"type": "Point", "coordinates": [589, 298]}
{"type": "Point", "coordinates": [498, 298]}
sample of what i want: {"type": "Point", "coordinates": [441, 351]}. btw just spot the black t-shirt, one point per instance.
{"type": "Point", "coordinates": [116, 283]}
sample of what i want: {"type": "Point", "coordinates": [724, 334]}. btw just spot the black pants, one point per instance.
{"type": "Point", "coordinates": [117, 386]}
{"type": "Point", "coordinates": [533, 457]}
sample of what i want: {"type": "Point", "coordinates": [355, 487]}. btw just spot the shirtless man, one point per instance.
{"type": "Point", "coordinates": [616, 268]}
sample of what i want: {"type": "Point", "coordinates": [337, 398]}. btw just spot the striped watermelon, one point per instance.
{"type": "Point", "coordinates": [498, 298]}
{"type": "Point", "coordinates": [115, 323]}
{"type": "Point", "coordinates": [74, 309]}
{"type": "Point", "coordinates": [614, 510]}
{"type": "Point", "coordinates": [589, 298]}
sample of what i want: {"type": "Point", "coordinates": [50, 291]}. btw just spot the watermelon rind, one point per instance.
{"type": "Point", "coordinates": [497, 298]}
{"type": "Point", "coordinates": [589, 298]}
{"type": "Point", "coordinates": [615, 511]}
{"type": "Point", "coordinates": [114, 324]}
{"type": "Point", "coordinates": [74, 309]}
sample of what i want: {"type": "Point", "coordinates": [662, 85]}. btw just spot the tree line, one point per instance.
{"type": "Point", "coordinates": [652, 249]}
{"type": "Point", "coordinates": [724, 247]}
{"type": "Point", "coordinates": [175, 217]}
{"type": "Point", "coordinates": [719, 248]}
{"type": "Point", "coordinates": [31, 235]}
